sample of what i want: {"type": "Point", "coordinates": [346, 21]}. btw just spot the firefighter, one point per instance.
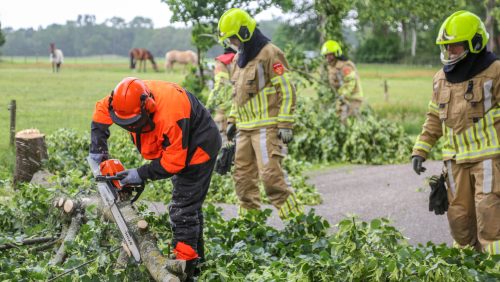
{"type": "Point", "coordinates": [344, 78]}
{"type": "Point", "coordinates": [465, 111]}
{"type": "Point", "coordinates": [219, 99]}
{"type": "Point", "coordinates": [262, 110]}
{"type": "Point", "coordinates": [170, 127]}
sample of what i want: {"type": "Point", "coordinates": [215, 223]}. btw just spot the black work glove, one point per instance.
{"type": "Point", "coordinates": [417, 164]}
{"type": "Point", "coordinates": [231, 131]}
{"type": "Point", "coordinates": [438, 198]}
{"type": "Point", "coordinates": [225, 159]}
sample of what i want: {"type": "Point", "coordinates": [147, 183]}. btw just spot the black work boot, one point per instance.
{"type": "Point", "coordinates": [191, 268]}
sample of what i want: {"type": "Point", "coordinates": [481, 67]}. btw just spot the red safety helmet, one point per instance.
{"type": "Point", "coordinates": [131, 104]}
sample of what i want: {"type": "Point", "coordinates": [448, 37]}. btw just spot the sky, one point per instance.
{"type": "Point", "coordinates": [34, 13]}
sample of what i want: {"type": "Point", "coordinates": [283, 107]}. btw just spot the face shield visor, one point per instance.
{"type": "Point", "coordinates": [138, 124]}
{"type": "Point", "coordinates": [450, 56]}
{"type": "Point", "coordinates": [226, 43]}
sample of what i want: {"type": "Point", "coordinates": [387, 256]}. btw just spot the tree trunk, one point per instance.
{"type": "Point", "coordinates": [404, 30]}
{"type": "Point", "coordinates": [413, 41]}
{"type": "Point", "coordinates": [30, 151]}
{"type": "Point", "coordinates": [489, 23]}
{"type": "Point", "coordinates": [200, 68]}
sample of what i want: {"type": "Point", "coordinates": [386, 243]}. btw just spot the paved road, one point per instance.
{"type": "Point", "coordinates": [391, 191]}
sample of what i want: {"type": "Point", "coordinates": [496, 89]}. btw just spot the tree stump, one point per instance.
{"type": "Point", "coordinates": [30, 151]}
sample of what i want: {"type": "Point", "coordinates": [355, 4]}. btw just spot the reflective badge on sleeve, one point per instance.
{"type": "Point", "coordinates": [346, 71]}
{"type": "Point", "coordinates": [278, 68]}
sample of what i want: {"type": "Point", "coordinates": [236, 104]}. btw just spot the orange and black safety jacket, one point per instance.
{"type": "Point", "coordinates": [184, 132]}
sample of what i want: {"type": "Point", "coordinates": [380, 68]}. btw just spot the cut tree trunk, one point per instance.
{"type": "Point", "coordinates": [30, 151]}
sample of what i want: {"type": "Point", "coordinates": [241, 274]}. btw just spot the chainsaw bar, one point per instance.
{"type": "Point", "coordinates": [109, 199]}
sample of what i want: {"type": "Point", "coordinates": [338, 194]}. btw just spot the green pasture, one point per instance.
{"type": "Point", "coordinates": [49, 101]}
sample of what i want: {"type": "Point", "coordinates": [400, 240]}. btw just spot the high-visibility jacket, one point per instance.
{"type": "Point", "coordinates": [263, 95]}
{"type": "Point", "coordinates": [219, 98]}
{"type": "Point", "coordinates": [184, 132]}
{"type": "Point", "coordinates": [344, 77]}
{"type": "Point", "coordinates": [466, 115]}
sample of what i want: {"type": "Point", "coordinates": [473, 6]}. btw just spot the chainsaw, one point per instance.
{"type": "Point", "coordinates": [111, 191]}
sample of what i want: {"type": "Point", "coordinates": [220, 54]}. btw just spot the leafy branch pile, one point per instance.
{"type": "Point", "coordinates": [246, 250]}
{"type": "Point", "coordinates": [241, 249]}
{"type": "Point", "coordinates": [321, 137]}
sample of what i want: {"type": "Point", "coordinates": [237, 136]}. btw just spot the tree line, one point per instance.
{"type": "Point", "coordinates": [85, 37]}
{"type": "Point", "coordinates": [393, 31]}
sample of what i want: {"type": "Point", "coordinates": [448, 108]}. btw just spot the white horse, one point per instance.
{"type": "Point", "coordinates": [56, 57]}
{"type": "Point", "coordinates": [181, 57]}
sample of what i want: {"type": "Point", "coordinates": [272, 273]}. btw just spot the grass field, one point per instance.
{"type": "Point", "coordinates": [50, 101]}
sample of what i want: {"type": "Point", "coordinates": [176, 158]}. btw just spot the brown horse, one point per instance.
{"type": "Point", "coordinates": [181, 57]}
{"type": "Point", "coordinates": [141, 55]}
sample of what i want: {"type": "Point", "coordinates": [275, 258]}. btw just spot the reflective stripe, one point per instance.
{"type": "Point", "coordinates": [421, 145]}
{"type": "Point", "coordinates": [284, 84]}
{"type": "Point", "coordinates": [236, 137]}
{"type": "Point", "coordinates": [290, 207]}
{"type": "Point", "coordinates": [253, 124]}
{"type": "Point", "coordinates": [469, 135]}
{"type": "Point", "coordinates": [221, 74]}
{"type": "Point", "coordinates": [461, 146]}
{"type": "Point", "coordinates": [494, 248]}
{"type": "Point", "coordinates": [487, 176]}
{"type": "Point", "coordinates": [487, 95]}
{"type": "Point", "coordinates": [491, 127]}
{"type": "Point", "coordinates": [450, 177]}
{"type": "Point", "coordinates": [286, 118]}
{"type": "Point", "coordinates": [480, 140]}
{"type": "Point", "coordinates": [260, 75]}
{"type": "Point", "coordinates": [433, 108]}
{"type": "Point", "coordinates": [287, 97]}
{"type": "Point", "coordinates": [263, 99]}
{"type": "Point", "coordinates": [263, 146]}
{"type": "Point", "coordinates": [255, 111]}
{"type": "Point", "coordinates": [450, 140]}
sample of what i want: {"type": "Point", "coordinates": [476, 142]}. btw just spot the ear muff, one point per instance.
{"type": "Point", "coordinates": [477, 42]}
{"type": "Point", "coordinates": [148, 103]}
{"type": "Point", "coordinates": [244, 33]}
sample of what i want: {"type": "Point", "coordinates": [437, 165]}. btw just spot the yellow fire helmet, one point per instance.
{"type": "Point", "coordinates": [461, 26]}
{"type": "Point", "coordinates": [331, 47]}
{"type": "Point", "coordinates": [236, 22]}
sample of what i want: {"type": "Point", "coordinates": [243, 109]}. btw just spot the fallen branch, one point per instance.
{"type": "Point", "coordinates": [74, 228]}
{"type": "Point", "coordinates": [26, 242]}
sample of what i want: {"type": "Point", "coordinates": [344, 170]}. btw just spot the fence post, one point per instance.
{"type": "Point", "coordinates": [12, 109]}
{"type": "Point", "coordinates": [386, 91]}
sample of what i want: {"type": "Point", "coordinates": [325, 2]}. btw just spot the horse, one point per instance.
{"type": "Point", "coordinates": [181, 57]}
{"type": "Point", "coordinates": [142, 55]}
{"type": "Point", "coordinates": [56, 57]}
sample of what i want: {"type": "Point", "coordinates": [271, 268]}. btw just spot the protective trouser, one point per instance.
{"type": "Point", "coordinates": [186, 217]}
{"type": "Point", "coordinates": [351, 107]}
{"type": "Point", "coordinates": [474, 196]}
{"type": "Point", "coordinates": [259, 153]}
{"type": "Point", "coordinates": [221, 122]}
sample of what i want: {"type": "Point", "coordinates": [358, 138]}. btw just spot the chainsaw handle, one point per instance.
{"type": "Point", "coordinates": [103, 178]}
